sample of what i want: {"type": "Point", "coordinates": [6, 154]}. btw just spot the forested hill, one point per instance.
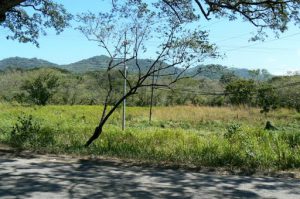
{"type": "Point", "coordinates": [100, 63]}
{"type": "Point", "coordinates": [91, 64]}
{"type": "Point", "coordinates": [24, 63]}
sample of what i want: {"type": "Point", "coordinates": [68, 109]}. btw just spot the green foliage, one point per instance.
{"type": "Point", "coordinates": [291, 138]}
{"type": "Point", "coordinates": [217, 101]}
{"type": "Point", "coordinates": [288, 96]}
{"type": "Point", "coordinates": [24, 63]}
{"type": "Point", "coordinates": [91, 87]}
{"type": "Point", "coordinates": [267, 98]}
{"type": "Point", "coordinates": [41, 89]}
{"type": "Point", "coordinates": [27, 23]}
{"type": "Point", "coordinates": [254, 74]}
{"type": "Point", "coordinates": [185, 139]}
{"type": "Point", "coordinates": [232, 130]}
{"type": "Point", "coordinates": [27, 132]}
{"type": "Point", "coordinates": [26, 26]}
{"type": "Point", "coordinates": [240, 92]}
{"type": "Point", "coordinates": [227, 78]}
{"type": "Point", "coordinates": [100, 63]}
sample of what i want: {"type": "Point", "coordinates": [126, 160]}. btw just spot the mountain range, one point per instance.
{"type": "Point", "coordinates": [100, 63]}
{"type": "Point", "coordinates": [24, 63]}
{"type": "Point", "coordinates": [85, 65]}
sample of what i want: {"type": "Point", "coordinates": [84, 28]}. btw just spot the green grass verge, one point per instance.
{"type": "Point", "coordinates": [199, 140]}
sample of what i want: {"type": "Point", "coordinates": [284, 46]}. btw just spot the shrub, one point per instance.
{"type": "Point", "coordinates": [41, 89]}
{"type": "Point", "coordinates": [240, 92]}
{"type": "Point", "coordinates": [27, 132]}
{"type": "Point", "coordinates": [232, 130]}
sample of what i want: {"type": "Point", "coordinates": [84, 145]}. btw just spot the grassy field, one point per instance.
{"type": "Point", "coordinates": [194, 136]}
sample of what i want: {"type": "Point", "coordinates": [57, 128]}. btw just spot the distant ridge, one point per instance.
{"type": "Point", "coordinates": [25, 63]}
{"type": "Point", "coordinates": [90, 64]}
{"type": "Point", "coordinates": [98, 63]}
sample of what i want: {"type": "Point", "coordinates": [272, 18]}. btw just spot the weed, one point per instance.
{"type": "Point", "coordinates": [27, 132]}
{"type": "Point", "coordinates": [232, 130]}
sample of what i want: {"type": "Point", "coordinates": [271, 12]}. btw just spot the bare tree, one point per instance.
{"type": "Point", "coordinates": [179, 48]}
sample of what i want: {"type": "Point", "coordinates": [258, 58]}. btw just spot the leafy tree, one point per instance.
{"type": "Point", "coordinates": [288, 89]}
{"type": "Point", "coordinates": [228, 77]}
{"type": "Point", "coordinates": [26, 26]}
{"type": "Point", "coordinates": [269, 14]}
{"type": "Point", "coordinates": [255, 74]}
{"type": "Point", "coordinates": [41, 89]}
{"type": "Point", "coordinates": [28, 19]}
{"type": "Point", "coordinates": [267, 98]}
{"type": "Point", "coordinates": [240, 92]}
{"type": "Point", "coordinates": [212, 70]}
{"type": "Point", "coordinates": [217, 101]}
{"type": "Point", "coordinates": [265, 74]}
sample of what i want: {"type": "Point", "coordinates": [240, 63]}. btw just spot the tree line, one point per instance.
{"type": "Point", "coordinates": [45, 86]}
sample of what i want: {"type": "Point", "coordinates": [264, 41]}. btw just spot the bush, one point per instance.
{"type": "Point", "coordinates": [27, 132]}
{"type": "Point", "coordinates": [291, 138]}
{"type": "Point", "coordinates": [41, 89]}
{"type": "Point", "coordinates": [240, 92]}
{"type": "Point", "coordinates": [267, 98]}
{"type": "Point", "coordinates": [232, 130]}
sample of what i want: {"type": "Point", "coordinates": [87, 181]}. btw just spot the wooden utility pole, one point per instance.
{"type": "Point", "coordinates": [125, 82]}
{"type": "Point", "coordinates": [151, 98]}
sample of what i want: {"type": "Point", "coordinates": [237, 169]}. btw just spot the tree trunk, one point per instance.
{"type": "Point", "coordinates": [97, 133]}
{"type": "Point", "coordinates": [98, 129]}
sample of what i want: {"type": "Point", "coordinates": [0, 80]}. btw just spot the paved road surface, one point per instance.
{"type": "Point", "coordinates": [46, 177]}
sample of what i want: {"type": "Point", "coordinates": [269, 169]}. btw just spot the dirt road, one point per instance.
{"type": "Point", "coordinates": [48, 177]}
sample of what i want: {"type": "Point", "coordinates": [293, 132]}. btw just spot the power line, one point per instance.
{"type": "Point", "coordinates": [220, 93]}
{"type": "Point", "coordinates": [247, 46]}
{"type": "Point", "coordinates": [231, 38]}
{"type": "Point", "coordinates": [157, 42]}
{"type": "Point", "coordinates": [256, 48]}
{"type": "Point", "coordinates": [212, 24]}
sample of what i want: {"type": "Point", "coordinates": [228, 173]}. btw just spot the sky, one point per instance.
{"type": "Point", "coordinates": [277, 55]}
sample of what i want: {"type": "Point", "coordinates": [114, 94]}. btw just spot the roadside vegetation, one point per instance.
{"type": "Point", "coordinates": [182, 135]}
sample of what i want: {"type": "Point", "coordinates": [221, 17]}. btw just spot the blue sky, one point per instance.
{"type": "Point", "coordinates": [276, 55]}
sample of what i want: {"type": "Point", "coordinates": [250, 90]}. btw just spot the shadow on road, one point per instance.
{"type": "Point", "coordinates": [39, 178]}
